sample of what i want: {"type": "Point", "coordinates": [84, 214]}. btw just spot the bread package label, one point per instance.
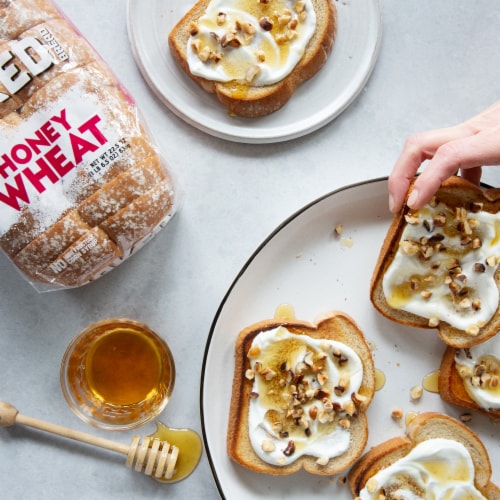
{"type": "Point", "coordinates": [82, 184]}
{"type": "Point", "coordinates": [303, 395]}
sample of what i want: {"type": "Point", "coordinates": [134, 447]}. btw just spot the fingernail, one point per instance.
{"type": "Point", "coordinates": [413, 198]}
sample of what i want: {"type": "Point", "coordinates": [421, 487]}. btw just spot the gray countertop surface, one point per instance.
{"type": "Point", "coordinates": [439, 64]}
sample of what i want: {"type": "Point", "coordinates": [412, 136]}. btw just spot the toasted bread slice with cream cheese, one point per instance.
{"type": "Point", "coordinates": [468, 378]}
{"type": "Point", "coordinates": [303, 401]}
{"type": "Point", "coordinates": [460, 277]}
{"type": "Point", "coordinates": [241, 95]}
{"type": "Point", "coordinates": [467, 461]}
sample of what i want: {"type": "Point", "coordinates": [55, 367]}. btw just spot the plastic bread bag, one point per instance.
{"type": "Point", "coordinates": [82, 184]}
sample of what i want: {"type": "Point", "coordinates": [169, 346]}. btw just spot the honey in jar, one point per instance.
{"type": "Point", "coordinates": [117, 374]}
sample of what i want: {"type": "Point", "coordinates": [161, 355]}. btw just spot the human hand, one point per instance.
{"type": "Point", "coordinates": [465, 147]}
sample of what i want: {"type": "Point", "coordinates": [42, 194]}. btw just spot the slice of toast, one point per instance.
{"type": "Point", "coordinates": [452, 386]}
{"type": "Point", "coordinates": [423, 427]}
{"type": "Point", "coordinates": [240, 97]}
{"type": "Point", "coordinates": [292, 386]}
{"type": "Point", "coordinates": [458, 196]}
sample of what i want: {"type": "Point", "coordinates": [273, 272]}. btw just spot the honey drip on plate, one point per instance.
{"type": "Point", "coordinates": [430, 382]}
{"type": "Point", "coordinates": [410, 416]}
{"type": "Point", "coordinates": [284, 312]}
{"type": "Point", "coordinates": [190, 448]}
{"type": "Point", "coordinates": [379, 379]}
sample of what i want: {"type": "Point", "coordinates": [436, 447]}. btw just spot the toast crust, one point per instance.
{"type": "Point", "coordinates": [454, 191]}
{"type": "Point", "coordinates": [425, 426]}
{"type": "Point", "coordinates": [332, 326]}
{"type": "Point", "coordinates": [452, 389]}
{"type": "Point", "coordinates": [245, 100]}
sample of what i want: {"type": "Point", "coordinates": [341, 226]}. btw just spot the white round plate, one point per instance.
{"type": "Point", "coordinates": [315, 102]}
{"type": "Point", "coordinates": [304, 264]}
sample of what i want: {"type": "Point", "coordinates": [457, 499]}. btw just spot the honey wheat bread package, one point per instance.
{"type": "Point", "coordinates": [439, 266]}
{"type": "Point", "coordinates": [300, 394]}
{"type": "Point", "coordinates": [82, 183]}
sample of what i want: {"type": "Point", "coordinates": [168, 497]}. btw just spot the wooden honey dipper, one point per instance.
{"type": "Point", "coordinates": [157, 458]}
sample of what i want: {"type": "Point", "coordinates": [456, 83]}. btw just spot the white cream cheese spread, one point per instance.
{"type": "Point", "coordinates": [251, 41]}
{"type": "Point", "coordinates": [479, 367]}
{"type": "Point", "coordinates": [433, 470]}
{"type": "Point", "coordinates": [444, 267]}
{"type": "Point", "coordinates": [304, 393]}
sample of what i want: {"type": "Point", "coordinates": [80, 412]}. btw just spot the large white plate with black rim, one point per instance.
{"type": "Point", "coordinates": [315, 103]}
{"type": "Point", "coordinates": [304, 264]}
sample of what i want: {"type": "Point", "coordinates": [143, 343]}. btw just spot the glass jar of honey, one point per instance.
{"type": "Point", "coordinates": [117, 374]}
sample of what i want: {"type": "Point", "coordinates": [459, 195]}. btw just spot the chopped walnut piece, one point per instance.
{"type": "Point", "coordinates": [193, 29]}
{"type": "Point", "coordinates": [231, 40]}
{"type": "Point", "coordinates": [472, 330]}
{"type": "Point", "coordinates": [492, 260]}
{"type": "Point", "coordinates": [397, 414]}
{"type": "Point", "coordinates": [349, 408]}
{"type": "Point", "coordinates": [250, 374]}
{"type": "Point", "coordinates": [466, 417]}
{"type": "Point", "coordinates": [261, 56]}
{"type": "Point", "coordinates": [300, 6]}
{"type": "Point", "coordinates": [284, 19]}
{"type": "Point", "coordinates": [204, 54]}
{"type": "Point", "coordinates": [268, 446]}
{"type": "Point", "coordinates": [265, 23]}
{"type": "Point", "coordinates": [412, 219]}
{"type": "Point", "coordinates": [479, 267]}
{"type": "Point", "coordinates": [252, 73]}
{"type": "Point", "coordinates": [433, 322]}
{"type": "Point", "coordinates": [322, 461]}
{"type": "Point", "coordinates": [249, 28]}
{"type": "Point", "coordinates": [416, 392]}
{"type": "Point", "coordinates": [290, 449]}
{"type": "Point", "coordinates": [221, 18]}
{"type": "Point", "coordinates": [345, 423]}
{"type": "Point", "coordinates": [359, 400]}
{"type": "Point", "coordinates": [409, 247]}
{"type": "Point", "coordinates": [196, 45]}
{"type": "Point", "coordinates": [322, 378]}
{"type": "Point", "coordinates": [339, 229]}
{"type": "Point", "coordinates": [313, 412]}
{"type": "Point", "coordinates": [268, 374]}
